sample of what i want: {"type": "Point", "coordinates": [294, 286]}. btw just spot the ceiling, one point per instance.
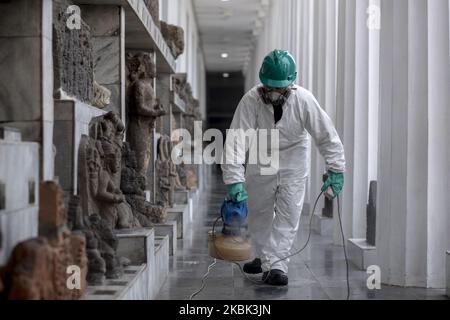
{"type": "Point", "coordinates": [229, 27]}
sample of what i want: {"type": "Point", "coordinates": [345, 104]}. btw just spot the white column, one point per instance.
{"type": "Point", "coordinates": [374, 91]}
{"type": "Point", "coordinates": [360, 134]}
{"type": "Point", "coordinates": [310, 42]}
{"type": "Point", "coordinates": [305, 70]}
{"type": "Point", "coordinates": [413, 204]}
{"type": "Point", "coordinates": [47, 153]}
{"type": "Point", "coordinates": [438, 152]}
{"type": "Point", "coordinates": [304, 50]}
{"type": "Point", "coordinates": [296, 30]}
{"type": "Point", "coordinates": [331, 79]}
{"type": "Point", "coordinates": [319, 90]}
{"type": "Point", "coordinates": [330, 58]}
{"type": "Point", "coordinates": [345, 117]}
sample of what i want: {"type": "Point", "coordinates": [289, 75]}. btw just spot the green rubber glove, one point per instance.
{"type": "Point", "coordinates": [237, 192]}
{"type": "Point", "coordinates": [335, 181]}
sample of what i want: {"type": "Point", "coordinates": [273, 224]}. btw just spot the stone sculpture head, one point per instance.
{"type": "Point", "coordinates": [174, 36]}
{"type": "Point", "coordinates": [141, 66]}
{"type": "Point", "coordinates": [179, 41]}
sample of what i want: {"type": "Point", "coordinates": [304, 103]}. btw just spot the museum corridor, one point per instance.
{"type": "Point", "coordinates": [317, 273]}
{"type": "Point", "coordinates": [114, 115]}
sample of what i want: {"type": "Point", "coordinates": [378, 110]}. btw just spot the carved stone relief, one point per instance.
{"type": "Point", "coordinates": [174, 36]}
{"type": "Point", "coordinates": [143, 107]}
{"type": "Point", "coordinates": [133, 186]}
{"type": "Point", "coordinates": [72, 56]}
{"type": "Point", "coordinates": [37, 268]}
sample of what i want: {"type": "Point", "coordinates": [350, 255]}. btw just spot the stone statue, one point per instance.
{"type": "Point", "coordinates": [178, 185]}
{"type": "Point", "coordinates": [165, 173]}
{"type": "Point", "coordinates": [96, 264]}
{"type": "Point", "coordinates": [187, 173]}
{"type": "Point", "coordinates": [107, 133]}
{"type": "Point", "coordinates": [109, 130]}
{"type": "Point", "coordinates": [102, 96]}
{"type": "Point", "coordinates": [107, 246]}
{"type": "Point", "coordinates": [191, 178]}
{"type": "Point", "coordinates": [181, 169]}
{"type": "Point", "coordinates": [38, 268]}
{"type": "Point", "coordinates": [174, 36]}
{"type": "Point", "coordinates": [176, 180]}
{"type": "Point", "coordinates": [191, 103]}
{"type": "Point", "coordinates": [108, 195]}
{"type": "Point", "coordinates": [133, 186]}
{"type": "Point", "coordinates": [197, 111]}
{"type": "Point", "coordinates": [102, 204]}
{"type": "Point", "coordinates": [180, 83]}
{"type": "Point", "coordinates": [144, 108]}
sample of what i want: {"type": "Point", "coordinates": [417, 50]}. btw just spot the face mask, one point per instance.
{"type": "Point", "coordinates": [275, 96]}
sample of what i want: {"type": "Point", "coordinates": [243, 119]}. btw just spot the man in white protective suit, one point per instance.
{"type": "Point", "coordinates": [275, 192]}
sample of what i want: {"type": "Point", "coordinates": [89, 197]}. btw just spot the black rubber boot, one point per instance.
{"type": "Point", "coordinates": [253, 267]}
{"type": "Point", "coordinates": [275, 278]}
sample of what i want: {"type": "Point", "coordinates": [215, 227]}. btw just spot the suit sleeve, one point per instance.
{"type": "Point", "coordinates": [321, 128]}
{"type": "Point", "coordinates": [234, 157]}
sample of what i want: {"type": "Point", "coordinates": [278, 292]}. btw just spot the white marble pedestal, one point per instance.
{"type": "Point", "coordinates": [161, 261]}
{"type": "Point", "coordinates": [19, 191]}
{"type": "Point", "coordinates": [361, 254]}
{"type": "Point", "coordinates": [448, 272]}
{"type": "Point", "coordinates": [169, 228]}
{"type": "Point", "coordinates": [179, 214]}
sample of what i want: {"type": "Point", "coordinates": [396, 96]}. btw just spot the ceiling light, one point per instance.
{"type": "Point", "coordinates": [226, 75]}
{"type": "Point", "coordinates": [227, 13]}
{"type": "Point", "coordinates": [224, 55]}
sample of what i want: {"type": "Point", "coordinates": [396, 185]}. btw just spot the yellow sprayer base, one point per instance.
{"type": "Point", "coordinates": [228, 248]}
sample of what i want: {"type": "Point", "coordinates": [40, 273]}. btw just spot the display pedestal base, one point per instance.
{"type": "Point", "coordinates": [162, 261]}
{"type": "Point", "coordinates": [179, 214]}
{"type": "Point", "coordinates": [142, 280]}
{"type": "Point", "coordinates": [448, 273]}
{"type": "Point", "coordinates": [168, 228]}
{"type": "Point", "coordinates": [361, 254]}
{"type": "Point", "coordinates": [133, 285]}
{"type": "Point", "coordinates": [322, 225]}
{"type": "Point", "coordinates": [19, 191]}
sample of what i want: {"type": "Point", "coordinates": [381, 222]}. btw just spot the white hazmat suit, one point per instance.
{"type": "Point", "coordinates": [276, 199]}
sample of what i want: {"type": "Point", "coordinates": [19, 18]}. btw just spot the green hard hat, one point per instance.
{"type": "Point", "coordinates": [278, 70]}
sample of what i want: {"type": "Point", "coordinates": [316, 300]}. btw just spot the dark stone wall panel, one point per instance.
{"type": "Point", "coordinates": [72, 55]}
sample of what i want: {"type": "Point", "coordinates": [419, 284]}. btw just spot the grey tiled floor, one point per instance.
{"type": "Point", "coordinates": [317, 273]}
